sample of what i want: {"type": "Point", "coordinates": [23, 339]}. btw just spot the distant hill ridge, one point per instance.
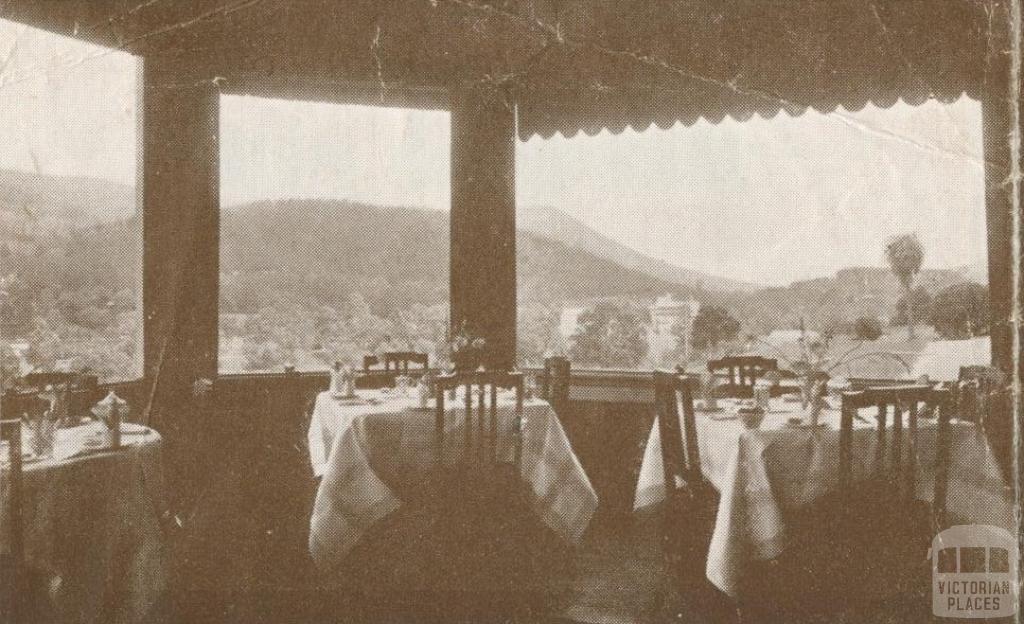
{"type": "Point", "coordinates": [554, 224]}
{"type": "Point", "coordinates": [309, 250]}
{"type": "Point", "coordinates": [401, 253]}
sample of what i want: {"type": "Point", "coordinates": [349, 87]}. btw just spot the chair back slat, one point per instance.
{"type": "Point", "coordinates": [942, 461]}
{"type": "Point", "coordinates": [685, 521]}
{"type": "Point", "coordinates": [369, 361]}
{"type": "Point", "coordinates": [10, 432]}
{"type": "Point", "coordinates": [898, 442]}
{"type": "Point", "coordinates": [912, 452]}
{"type": "Point", "coordinates": [555, 382]}
{"type": "Point", "coordinates": [673, 397]}
{"type": "Point", "coordinates": [976, 392]}
{"type": "Point", "coordinates": [883, 421]}
{"type": "Point", "coordinates": [480, 421]}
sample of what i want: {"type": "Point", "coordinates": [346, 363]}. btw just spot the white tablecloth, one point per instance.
{"type": "Point", "coordinates": [91, 524]}
{"type": "Point", "coordinates": [761, 475]}
{"type": "Point", "coordinates": [360, 448]}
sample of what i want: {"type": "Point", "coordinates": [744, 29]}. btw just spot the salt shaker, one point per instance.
{"type": "Point", "coordinates": [110, 410]}
{"type": "Point", "coordinates": [335, 379]}
{"type": "Point", "coordinates": [762, 396]}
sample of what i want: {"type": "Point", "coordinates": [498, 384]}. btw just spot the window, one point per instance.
{"type": "Point", "coordinates": [70, 259]}
{"type": "Point", "coordinates": [673, 246]}
{"type": "Point", "coordinates": [972, 559]}
{"type": "Point", "coordinates": [947, 562]}
{"type": "Point", "coordinates": [334, 233]}
{"type": "Point", "coordinates": [999, 560]}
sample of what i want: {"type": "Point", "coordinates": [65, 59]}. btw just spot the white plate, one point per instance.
{"type": "Point", "coordinates": [347, 398]}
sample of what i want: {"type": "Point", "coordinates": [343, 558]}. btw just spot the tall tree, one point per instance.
{"type": "Point", "coordinates": [920, 301]}
{"type": "Point", "coordinates": [905, 255]}
{"type": "Point", "coordinates": [712, 326]}
{"type": "Point", "coordinates": [536, 333]}
{"type": "Point", "coordinates": [611, 335]}
{"type": "Point", "coordinates": [961, 311]}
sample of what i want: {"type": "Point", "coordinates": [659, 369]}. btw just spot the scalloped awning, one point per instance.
{"type": "Point", "coordinates": [756, 59]}
{"type": "Point", "coordinates": [571, 65]}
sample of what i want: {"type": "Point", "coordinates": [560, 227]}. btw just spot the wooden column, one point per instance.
{"type": "Point", "coordinates": [1003, 220]}
{"type": "Point", "coordinates": [180, 197]}
{"type": "Point", "coordinates": [999, 207]}
{"type": "Point", "coordinates": [483, 219]}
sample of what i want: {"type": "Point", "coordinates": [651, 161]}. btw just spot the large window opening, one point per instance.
{"type": "Point", "coordinates": [334, 233]}
{"type": "Point", "coordinates": [70, 258]}
{"type": "Point", "coordinates": [665, 247]}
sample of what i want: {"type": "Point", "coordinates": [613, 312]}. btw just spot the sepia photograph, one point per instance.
{"type": "Point", "coordinates": [511, 311]}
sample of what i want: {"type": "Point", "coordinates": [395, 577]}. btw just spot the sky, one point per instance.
{"type": "Point", "coordinates": [768, 201]}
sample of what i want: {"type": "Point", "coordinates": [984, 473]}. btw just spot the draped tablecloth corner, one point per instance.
{"type": "Point", "coordinates": [391, 441]}
{"type": "Point", "coordinates": [764, 474]}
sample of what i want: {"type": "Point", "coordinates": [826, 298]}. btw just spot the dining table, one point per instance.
{"type": "Point", "coordinates": [766, 475]}
{"type": "Point", "coordinates": [368, 448]}
{"type": "Point", "coordinates": [91, 523]}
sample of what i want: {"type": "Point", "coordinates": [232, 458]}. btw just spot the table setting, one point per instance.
{"type": "Point", "coordinates": [369, 447]}
{"type": "Point", "coordinates": [92, 492]}
{"type": "Point", "coordinates": [770, 457]}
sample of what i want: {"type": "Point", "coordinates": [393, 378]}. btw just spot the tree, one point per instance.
{"type": "Point", "coordinates": [961, 311]}
{"type": "Point", "coordinates": [867, 328]}
{"type": "Point", "coordinates": [536, 333]}
{"type": "Point", "coordinates": [610, 335]}
{"type": "Point", "coordinates": [712, 326]}
{"type": "Point", "coordinates": [905, 255]}
{"type": "Point", "coordinates": [920, 303]}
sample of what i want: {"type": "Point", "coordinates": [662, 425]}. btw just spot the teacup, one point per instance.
{"type": "Point", "coordinates": [751, 417]}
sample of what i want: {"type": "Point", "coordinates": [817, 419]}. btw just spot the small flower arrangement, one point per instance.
{"type": "Point", "coordinates": [816, 364]}
{"type": "Point", "coordinates": [467, 350]}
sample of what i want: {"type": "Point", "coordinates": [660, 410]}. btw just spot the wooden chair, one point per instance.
{"type": "Point", "coordinates": [373, 376]}
{"type": "Point", "coordinates": [555, 382]}
{"type": "Point", "coordinates": [23, 592]}
{"type": "Point", "coordinates": [20, 403]}
{"type": "Point", "coordinates": [369, 361]}
{"type": "Point", "coordinates": [72, 380]}
{"type": "Point", "coordinates": [81, 392]}
{"type": "Point", "coordinates": [864, 548]}
{"type": "Point", "coordinates": [895, 477]}
{"type": "Point", "coordinates": [741, 373]}
{"type": "Point", "coordinates": [691, 502]}
{"type": "Point", "coordinates": [977, 391]}
{"type": "Point", "coordinates": [402, 359]}
{"type": "Point", "coordinates": [481, 414]}
{"type": "Point", "coordinates": [484, 530]}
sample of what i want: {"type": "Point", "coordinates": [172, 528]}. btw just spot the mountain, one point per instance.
{"type": "Point", "coordinates": [314, 251]}
{"type": "Point", "coordinates": [50, 199]}
{"type": "Point", "coordinates": [556, 225]}
{"type": "Point", "coordinates": [838, 300]}
{"type": "Point", "coordinates": [393, 256]}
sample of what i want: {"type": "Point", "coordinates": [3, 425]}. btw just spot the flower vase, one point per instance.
{"type": "Point", "coordinates": [816, 401]}
{"type": "Point", "coordinates": [815, 412]}
{"type": "Point", "coordinates": [43, 431]}
{"type": "Point", "coordinates": [805, 392]}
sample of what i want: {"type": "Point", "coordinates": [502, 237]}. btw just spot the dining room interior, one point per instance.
{"type": "Point", "coordinates": [509, 310]}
